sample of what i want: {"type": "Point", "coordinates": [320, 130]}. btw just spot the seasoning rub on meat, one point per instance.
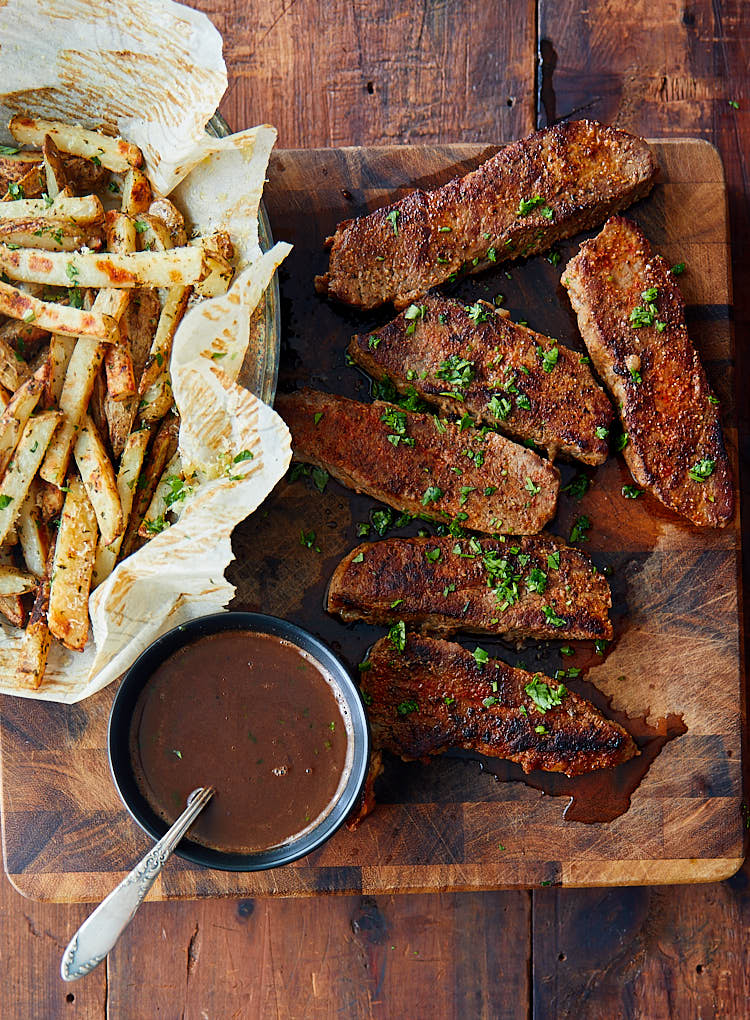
{"type": "Point", "coordinates": [549, 185]}
{"type": "Point", "coordinates": [473, 359]}
{"type": "Point", "coordinates": [426, 696]}
{"type": "Point", "coordinates": [421, 465]}
{"type": "Point", "coordinates": [533, 587]}
{"type": "Point", "coordinates": [632, 318]}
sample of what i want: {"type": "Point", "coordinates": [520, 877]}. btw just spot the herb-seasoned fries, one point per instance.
{"type": "Point", "coordinates": [97, 272]}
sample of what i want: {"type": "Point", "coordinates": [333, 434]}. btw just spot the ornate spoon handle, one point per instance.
{"type": "Point", "coordinates": [101, 929]}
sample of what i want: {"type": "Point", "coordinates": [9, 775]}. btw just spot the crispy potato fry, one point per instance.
{"type": "Point", "coordinates": [15, 582]}
{"type": "Point", "coordinates": [60, 351]}
{"type": "Point", "coordinates": [54, 168]}
{"type": "Point", "coordinates": [76, 392]}
{"type": "Point", "coordinates": [162, 450]}
{"type": "Point", "coordinates": [23, 466]}
{"type": "Point", "coordinates": [49, 499]}
{"type": "Point", "coordinates": [32, 660]}
{"type": "Point", "coordinates": [118, 362]}
{"type": "Point", "coordinates": [12, 606]}
{"type": "Point", "coordinates": [55, 318]}
{"type": "Point", "coordinates": [136, 192]}
{"type": "Point", "coordinates": [21, 335]}
{"type": "Point", "coordinates": [33, 533]}
{"type": "Point", "coordinates": [46, 234]}
{"type": "Point", "coordinates": [138, 324]}
{"type": "Point", "coordinates": [178, 267]}
{"type": "Point", "coordinates": [31, 185]}
{"type": "Point", "coordinates": [153, 235]}
{"type": "Point", "coordinates": [4, 398]}
{"type": "Point", "coordinates": [84, 211]}
{"type": "Point", "coordinates": [98, 476]}
{"type": "Point", "coordinates": [68, 614]}
{"type": "Point", "coordinates": [172, 219]}
{"type": "Point", "coordinates": [13, 368]}
{"type": "Point", "coordinates": [127, 479]}
{"type": "Point", "coordinates": [113, 153]}
{"type": "Point", "coordinates": [161, 347]}
{"type": "Point", "coordinates": [154, 519]}
{"type": "Point", "coordinates": [17, 413]}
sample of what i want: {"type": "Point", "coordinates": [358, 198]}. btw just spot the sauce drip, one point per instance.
{"type": "Point", "coordinates": [252, 716]}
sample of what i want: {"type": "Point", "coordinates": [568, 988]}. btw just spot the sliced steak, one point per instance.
{"type": "Point", "coordinates": [632, 319]}
{"type": "Point", "coordinates": [534, 587]}
{"type": "Point", "coordinates": [477, 361]}
{"type": "Point", "coordinates": [433, 695]}
{"type": "Point", "coordinates": [422, 466]}
{"type": "Point", "coordinates": [547, 186]}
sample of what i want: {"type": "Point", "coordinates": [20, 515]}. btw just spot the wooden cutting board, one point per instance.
{"type": "Point", "coordinates": [451, 825]}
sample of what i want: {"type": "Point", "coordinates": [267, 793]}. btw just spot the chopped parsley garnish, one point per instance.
{"type": "Point", "coordinates": [71, 271]}
{"type": "Point", "coordinates": [490, 490]}
{"type": "Point", "coordinates": [621, 442]}
{"type": "Point", "coordinates": [408, 706]}
{"type": "Point", "coordinates": [373, 342]}
{"type": "Point", "coordinates": [531, 487]}
{"type": "Point", "coordinates": [554, 257]}
{"type": "Point", "coordinates": [678, 270]}
{"type": "Point", "coordinates": [551, 617]}
{"type": "Point", "coordinates": [636, 376]}
{"type": "Point", "coordinates": [242, 455]}
{"type": "Point", "coordinates": [733, 103]}
{"type": "Point", "coordinates": [8, 150]}
{"type": "Point", "coordinates": [523, 401]}
{"type": "Point", "coordinates": [317, 417]}
{"type": "Point", "coordinates": [432, 555]}
{"type": "Point", "coordinates": [5, 501]}
{"type": "Point", "coordinates": [431, 495]}
{"type": "Point", "coordinates": [141, 226]}
{"type": "Point", "coordinates": [646, 314]}
{"type": "Point", "coordinates": [444, 230]}
{"type": "Point", "coordinates": [548, 357]}
{"type": "Point", "coordinates": [553, 560]}
{"type": "Point", "coordinates": [320, 478]}
{"type": "Point", "coordinates": [541, 729]}
{"type": "Point", "coordinates": [412, 314]}
{"type": "Point", "coordinates": [566, 650]}
{"type": "Point", "coordinates": [631, 492]}
{"type": "Point", "coordinates": [465, 491]}
{"type": "Point", "coordinates": [382, 520]}
{"type": "Point", "coordinates": [481, 657]}
{"type": "Point", "coordinates": [600, 646]}
{"type": "Point", "coordinates": [537, 580]}
{"type": "Point", "coordinates": [156, 525]}
{"type": "Point", "coordinates": [579, 531]}
{"type": "Point", "coordinates": [307, 539]}
{"type": "Point", "coordinates": [15, 190]}
{"type": "Point", "coordinates": [490, 701]}
{"type": "Point", "coordinates": [601, 432]}
{"type": "Point", "coordinates": [392, 218]}
{"type": "Point", "coordinates": [397, 635]}
{"type": "Point", "coordinates": [578, 486]}
{"type": "Point", "coordinates": [477, 313]}
{"type": "Point", "coordinates": [712, 399]}
{"type": "Point", "coordinates": [544, 696]}
{"type": "Point", "coordinates": [359, 558]}
{"type": "Point", "coordinates": [396, 422]}
{"type": "Point", "coordinates": [526, 205]}
{"type": "Point", "coordinates": [702, 470]}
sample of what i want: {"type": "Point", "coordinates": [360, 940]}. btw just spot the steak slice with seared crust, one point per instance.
{"type": "Point", "coordinates": [506, 375]}
{"type": "Point", "coordinates": [534, 587]}
{"type": "Point", "coordinates": [632, 318]}
{"type": "Point", "coordinates": [434, 695]}
{"type": "Point", "coordinates": [412, 462]}
{"type": "Point", "coordinates": [549, 185]}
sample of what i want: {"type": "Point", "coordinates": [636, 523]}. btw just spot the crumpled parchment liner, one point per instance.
{"type": "Point", "coordinates": [179, 573]}
{"type": "Point", "coordinates": [152, 69]}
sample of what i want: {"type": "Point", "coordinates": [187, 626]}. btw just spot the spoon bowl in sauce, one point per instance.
{"type": "Point", "coordinates": [263, 712]}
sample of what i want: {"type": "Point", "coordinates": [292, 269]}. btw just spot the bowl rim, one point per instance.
{"type": "Point", "coordinates": [135, 679]}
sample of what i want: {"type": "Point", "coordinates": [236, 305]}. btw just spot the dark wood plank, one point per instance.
{"type": "Point", "coordinates": [378, 73]}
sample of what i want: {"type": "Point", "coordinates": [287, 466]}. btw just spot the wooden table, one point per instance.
{"type": "Point", "coordinates": [372, 72]}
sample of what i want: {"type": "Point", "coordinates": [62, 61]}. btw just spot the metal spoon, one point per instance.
{"type": "Point", "coordinates": [100, 931]}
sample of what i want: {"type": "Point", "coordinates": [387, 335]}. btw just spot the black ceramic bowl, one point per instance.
{"type": "Point", "coordinates": [119, 738]}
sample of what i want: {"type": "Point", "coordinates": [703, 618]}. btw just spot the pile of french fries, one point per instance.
{"type": "Point", "coordinates": [96, 272]}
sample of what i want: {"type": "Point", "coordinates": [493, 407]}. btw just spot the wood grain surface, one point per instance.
{"type": "Point", "coordinates": [679, 951]}
{"type": "Point", "coordinates": [447, 825]}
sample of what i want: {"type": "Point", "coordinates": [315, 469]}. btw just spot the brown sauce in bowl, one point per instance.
{"type": "Point", "coordinates": [254, 717]}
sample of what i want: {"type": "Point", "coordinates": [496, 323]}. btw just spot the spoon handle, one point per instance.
{"type": "Point", "coordinates": [101, 929]}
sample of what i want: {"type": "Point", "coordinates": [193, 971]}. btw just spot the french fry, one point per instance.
{"type": "Point", "coordinates": [76, 392]}
{"type": "Point", "coordinates": [46, 234]}
{"type": "Point", "coordinates": [177, 267]}
{"type": "Point", "coordinates": [127, 479]}
{"type": "Point", "coordinates": [31, 185]}
{"type": "Point", "coordinates": [153, 234]}
{"type": "Point", "coordinates": [161, 348]}
{"type": "Point", "coordinates": [20, 334]}
{"type": "Point", "coordinates": [172, 219]}
{"type": "Point", "coordinates": [138, 324]}
{"type": "Point", "coordinates": [52, 317]}
{"type": "Point", "coordinates": [84, 211]}
{"type": "Point", "coordinates": [162, 450]}
{"type": "Point", "coordinates": [17, 413]}
{"type": "Point", "coordinates": [23, 466]}
{"type": "Point", "coordinates": [33, 533]}
{"type": "Point", "coordinates": [12, 606]}
{"type": "Point", "coordinates": [13, 368]}
{"type": "Point", "coordinates": [118, 363]}
{"type": "Point", "coordinates": [154, 519]}
{"type": "Point", "coordinates": [49, 499]}
{"type": "Point", "coordinates": [68, 614]}
{"type": "Point", "coordinates": [4, 398]}
{"type": "Point", "coordinates": [15, 582]}
{"type": "Point", "coordinates": [113, 153]}
{"type": "Point", "coordinates": [32, 660]}
{"type": "Point", "coordinates": [136, 192]}
{"type": "Point", "coordinates": [54, 168]}
{"type": "Point", "coordinates": [98, 476]}
{"type": "Point", "coordinates": [60, 351]}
